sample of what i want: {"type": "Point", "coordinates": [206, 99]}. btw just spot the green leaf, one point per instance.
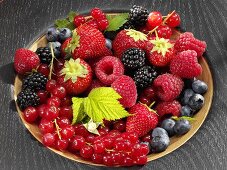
{"type": "Point", "coordinates": [78, 109]}
{"type": "Point", "coordinates": [190, 119]}
{"type": "Point", "coordinates": [61, 23]}
{"type": "Point", "coordinates": [71, 15]}
{"type": "Point", "coordinates": [102, 103]}
{"type": "Point", "coordinates": [117, 21]}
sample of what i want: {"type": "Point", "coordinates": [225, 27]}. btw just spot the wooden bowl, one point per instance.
{"type": "Point", "coordinates": [175, 142]}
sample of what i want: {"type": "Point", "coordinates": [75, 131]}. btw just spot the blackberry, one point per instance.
{"type": "Point", "coordinates": [27, 98]}
{"type": "Point", "coordinates": [144, 76]}
{"type": "Point", "coordinates": [133, 58]}
{"type": "Point", "coordinates": [44, 54]}
{"type": "Point", "coordinates": [35, 81]}
{"type": "Point", "coordinates": [127, 25]}
{"type": "Point", "coordinates": [138, 16]}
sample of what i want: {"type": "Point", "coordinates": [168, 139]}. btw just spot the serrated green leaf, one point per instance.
{"type": "Point", "coordinates": [190, 119]}
{"type": "Point", "coordinates": [61, 23]}
{"type": "Point", "coordinates": [71, 15]}
{"type": "Point", "coordinates": [117, 21]}
{"type": "Point", "coordinates": [102, 103]}
{"type": "Point", "coordinates": [78, 109]}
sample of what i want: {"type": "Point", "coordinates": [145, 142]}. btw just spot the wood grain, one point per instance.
{"type": "Point", "coordinates": [21, 22]}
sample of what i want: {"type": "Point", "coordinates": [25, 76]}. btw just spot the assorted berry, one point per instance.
{"type": "Point", "coordinates": [112, 88]}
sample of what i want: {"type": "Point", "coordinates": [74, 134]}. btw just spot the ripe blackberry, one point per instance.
{"type": "Point", "coordinates": [127, 25]}
{"type": "Point", "coordinates": [44, 54]}
{"type": "Point", "coordinates": [138, 16]}
{"type": "Point", "coordinates": [133, 58]}
{"type": "Point", "coordinates": [27, 98]}
{"type": "Point", "coordinates": [35, 81]}
{"type": "Point", "coordinates": [144, 76]}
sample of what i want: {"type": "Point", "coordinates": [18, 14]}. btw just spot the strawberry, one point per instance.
{"type": "Point", "coordinates": [162, 52]}
{"type": "Point", "coordinates": [64, 45]}
{"type": "Point", "coordinates": [25, 60]}
{"type": "Point", "coordinates": [76, 76]}
{"type": "Point", "coordinates": [129, 38]}
{"type": "Point", "coordinates": [87, 42]}
{"type": "Point", "coordinates": [142, 121]}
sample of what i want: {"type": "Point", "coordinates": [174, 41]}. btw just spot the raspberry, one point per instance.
{"type": "Point", "coordinates": [79, 20]}
{"type": "Point", "coordinates": [172, 108]}
{"type": "Point", "coordinates": [126, 87]}
{"type": "Point", "coordinates": [109, 69]}
{"type": "Point", "coordinates": [186, 65]}
{"type": "Point", "coordinates": [168, 86]}
{"type": "Point", "coordinates": [187, 41]}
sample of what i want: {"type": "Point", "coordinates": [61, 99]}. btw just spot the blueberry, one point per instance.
{"type": "Point", "coordinates": [64, 33]}
{"type": "Point", "coordinates": [56, 47]}
{"type": "Point", "coordinates": [159, 132]}
{"type": "Point", "coordinates": [159, 144]}
{"type": "Point", "coordinates": [199, 86]}
{"type": "Point", "coordinates": [196, 102]}
{"type": "Point", "coordinates": [108, 43]}
{"type": "Point", "coordinates": [186, 96]}
{"type": "Point", "coordinates": [52, 34]}
{"type": "Point", "coordinates": [182, 126]}
{"type": "Point", "coordinates": [168, 125]}
{"type": "Point", "coordinates": [186, 111]}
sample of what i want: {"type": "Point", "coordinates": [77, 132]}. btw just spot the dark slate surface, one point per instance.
{"type": "Point", "coordinates": [22, 20]}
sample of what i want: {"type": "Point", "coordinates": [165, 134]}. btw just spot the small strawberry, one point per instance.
{"type": "Point", "coordinates": [186, 65]}
{"type": "Point", "coordinates": [142, 121]}
{"type": "Point", "coordinates": [87, 42]}
{"type": "Point", "coordinates": [25, 60]}
{"type": "Point", "coordinates": [129, 38]}
{"type": "Point", "coordinates": [162, 52]}
{"type": "Point", "coordinates": [76, 76]}
{"type": "Point", "coordinates": [64, 46]}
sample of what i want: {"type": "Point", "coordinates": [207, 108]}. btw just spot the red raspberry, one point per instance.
{"type": "Point", "coordinates": [187, 41]}
{"type": "Point", "coordinates": [95, 84]}
{"type": "Point", "coordinates": [186, 65]}
{"type": "Point", "coordinates": [79, 20]}
{"type": "Point", "coordinates": [97, 13]}
{"type": "Point", "coordinates": [168, 86]}
{"type": "Point", "coordinates": [164, 108]}
{"type": "Point", "coordinates": [109, 69]}
{"type": "Point", "coordinates": [126, 87]}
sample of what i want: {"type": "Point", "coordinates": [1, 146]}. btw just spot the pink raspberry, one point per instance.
{"type": "Point", "coordinates": [126, 87]}
{"type": "Point", "coordinates": [108, 69]}
{"type": "Point", "coordinates": [187, 41]}
{"type": "Point", "coordinates": [168, 86]}
{"type": "Point", "coordinates": [164, 108]}
{"type": "Point", "coordinates": [186, 65]}
{"type": "Point", "coordinates": [94, 84]}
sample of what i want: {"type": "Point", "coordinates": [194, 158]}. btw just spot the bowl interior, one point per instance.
{"type": "Point", "coordinates": [175, 141]}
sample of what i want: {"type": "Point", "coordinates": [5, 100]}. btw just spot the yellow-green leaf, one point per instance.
{"type": "Point", "coordinates": [115, 22]}
{"type": "Point", "coordinates": [78, 109]}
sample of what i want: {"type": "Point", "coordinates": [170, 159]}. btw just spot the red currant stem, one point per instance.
{"type": "Point", "coordinates": [150, 32]}
{"type": "Point", "coordinates": [52, 61]}
{"type": "Point", "coordinates": [57, 128]}
{"type": "Point", "coordinates": [156, 34]}
{"type": "Point", "coordinates": [168, 16]}
{"type": "Point", "coordinates": [89, 144]}
{"type": "Point", "coordinates": [152, 104]}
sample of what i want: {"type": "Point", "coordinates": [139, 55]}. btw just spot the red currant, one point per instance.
{"type": "Point", "coordinates": [127, 161]}
{"type": "Point", "coordinates": [62, 144]}
{"type": "Point", "coordinates": [51, 84]}
{"type": "Point", "coordinates": [132, 137]}
{"type": "Point", "coordinates": [46, 126]}
{"type": "Point", "coordinates": [77, 142]}
{"type": "Point", "coordinates": [86, 151]}
{"type": "Point", "coordinates": [53, 101]}
{"type": "Point", "coordinates": [145, 100]}
{"type": "Point", "coordinates": [97, 13]}
{"type": "Point", "coordinates": [59, 92]}
{"type": "Point", "coordinates": [164, 31]}
{"type": "Point", "coordinates": [66, 101]}
{"type": "Point", "coordinates": [140, 160]}
{"type": "Point", "coordinates": [30, 114]}
{"type": "Point", "coordinates": [67, 132]}
{"type": "Point", "coordinates": [174, 20]}
{"type": "Point", "coordinates": [154, 19]}
{"type": "Point", "coordinates": [99, 147]}
{"type": "Point", "coordinates": [48, 139]}
{"type": "Point", "coordinates": [90, 138]}
{"type": "Point", "coordinates": [107, 160]}
{"type": "Point", "coordinates": [43, 95]}
{"type": "Point", "coordinates": [97, 158]}
{"type": "Point", "coordinates": [58, 65]}
{"type": "Point", "coordinates": [144, 149]}
{"type": "Point", "coordinates": [44, 69]}
{"type": "Point", "coordinates": [119, 125]}
{"type": "Point", "coordinates": [51, 113]}
{"type": "Point", "coordinates": [79, 20]}
{"type": "Point", "coordinates": [63, 122]}
{"type": "Point", "coordinates": [146, 138]}
{"type": "Point", "coordinates": [102, 24]}
{"type": "Point", "coordinates": [41, 109]}
{"type": "Point", "coordinates": [81, 130]}
{"type": "Point", "coordinates": [108, 142]}
{"type": "Point", "coordinates": [149, 92]}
